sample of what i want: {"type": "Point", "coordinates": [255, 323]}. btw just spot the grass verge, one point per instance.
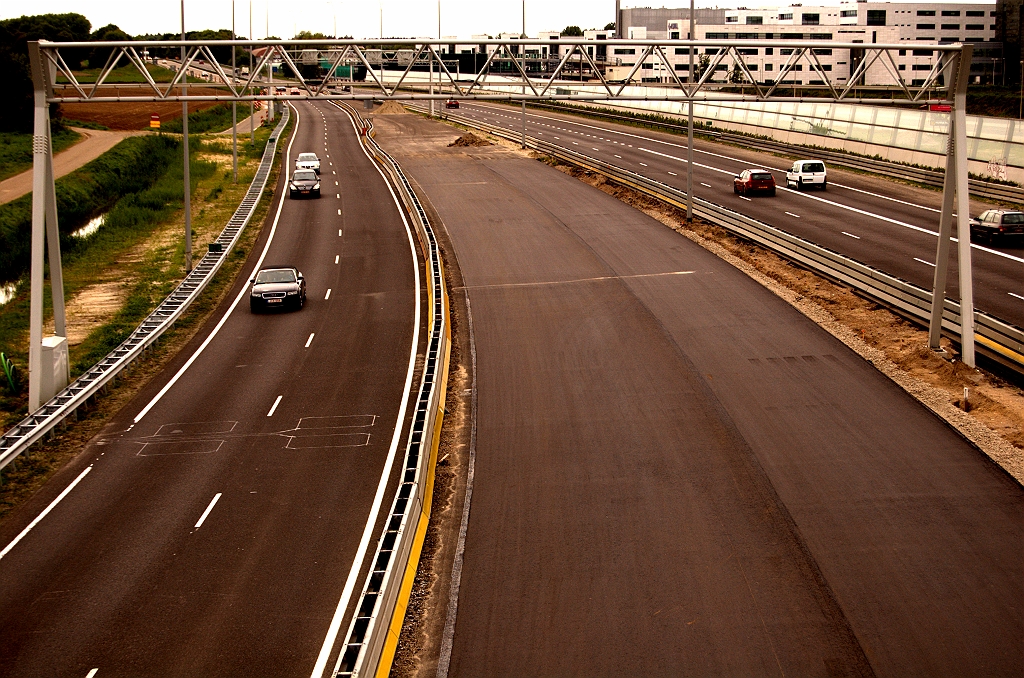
{"type": "Point", "coordinates": [152, 263]}
{"type": "Point", "coordinates": [16, 149]}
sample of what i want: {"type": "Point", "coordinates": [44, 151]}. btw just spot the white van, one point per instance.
{"type": "Point", "coordinates": [807, 173]}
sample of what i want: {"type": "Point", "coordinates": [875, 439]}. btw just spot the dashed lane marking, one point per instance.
{"type": "Point", "coordinates": [857, 237]}
{"type": "Point", "coordinates": [216, 498]}
{"type": "Point", "coordinates": [310, 340]}
{"type": "Point", "coordinates": [274, 406]}
{"type": "Point", "coordinates": [926, 263]}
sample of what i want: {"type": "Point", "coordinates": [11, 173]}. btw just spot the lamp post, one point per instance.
{"type": "Point", "coordinates": [184, 134]}
{"type": "Point", "coordinates": [234, 104]}
{"type": "Point", "coordinates": [689, 127]}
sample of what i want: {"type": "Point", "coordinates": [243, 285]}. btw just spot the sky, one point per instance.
{"type": "Point", "coordinates": [401, 18]}
{"type": "Point", "coordinates": [361, 19]}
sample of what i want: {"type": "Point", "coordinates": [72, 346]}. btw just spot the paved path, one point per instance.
{"type": "Point", "coordinates": [95, 144]}
{"type": "Point", "coordinates": [243, 125]}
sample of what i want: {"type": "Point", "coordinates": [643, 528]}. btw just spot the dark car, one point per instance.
{"type": "Point", "coordinates": [753, 180]}
{"type": "Point", "coordinates": [451, 103]}
{"type": "Point", "coordinates": [304, 182]}
{"type": "Point", "coordinates": [998, 224]}
{"type": "Point", "coordinates": [277, 287]}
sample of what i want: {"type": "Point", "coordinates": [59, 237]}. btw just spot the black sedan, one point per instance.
{"type": "Point", "coordinates": [304, 182]}
{"type": "Point", "coordinates": [277, 287]}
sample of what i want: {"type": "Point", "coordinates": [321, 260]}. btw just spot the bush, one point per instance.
{"type": "Point", "coordinates": [138, 180]}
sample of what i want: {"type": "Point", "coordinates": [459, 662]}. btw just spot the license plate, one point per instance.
{"type": "Point", "coordinates": [273, 301]}
{"type": "Point", "coordinates": [304, 191]}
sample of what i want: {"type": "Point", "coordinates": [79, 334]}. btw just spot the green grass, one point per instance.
{"type": "Point", "coordinates": [68, 122]}
{"type": "Point", "coordinates": [16, 150]}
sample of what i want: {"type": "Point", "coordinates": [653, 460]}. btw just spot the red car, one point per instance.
{"type": "Point", "coordinates": [752, 180]}
{"type": "Point", "coordinates": [451, 103]}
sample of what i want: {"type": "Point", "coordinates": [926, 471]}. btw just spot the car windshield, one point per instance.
{"type": "Point", "coordinates": [277, 275]}
{"type": "Point", "coordinates": [307, 156]}
{"type": "Point", "coordinates": [307, 175]}
{"type": "Point", "coordinates": [761, 176]}
{"type": "Point", "coordinates": [1013, 218]}
{"type": "Point", "coordinates": [814, 167]}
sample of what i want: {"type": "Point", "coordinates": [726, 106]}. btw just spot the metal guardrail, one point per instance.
{"type": "Point", "coordinates": [985, 190]}
{"type": "Point", "coordinates": [32, 429]}
{"type": "Point", "coordinates": [997, 339]}
{"type": "Point", "coordinates": [372, 635]}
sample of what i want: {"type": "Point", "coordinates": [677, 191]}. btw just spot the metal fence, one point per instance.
{"type": "Point", "coordinates": [997, 339]}
{"type": "Point", "coordinates": [32, 429]}
{"type": "Point", "coordinates": [373, 631]}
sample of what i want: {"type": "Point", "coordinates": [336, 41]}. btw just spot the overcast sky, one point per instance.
{"type": "Point", "coordinates": [362, 19]}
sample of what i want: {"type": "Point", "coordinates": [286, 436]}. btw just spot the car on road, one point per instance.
{"type": "Point", "coordinates": [308, 161]}
{"type": "Point", "coordinates": [807, 173]}
{"type": "Point", "coordinates": [754, 181]}
{"type": "Point", "coordinates": [992, 225]}
{"type": "Point", "coordinates": [277, 287]}
{"type": "Point", "coordinates": [451, 103]}
{"type": "Point", "coordinates": [304, 182]}
{"type": "Point", "coordinates": [295, 90]}
{"type": "Point", "coordinates": [278, 90]}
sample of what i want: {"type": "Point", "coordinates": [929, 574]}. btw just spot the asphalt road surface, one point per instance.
{"type": "Point", "coordinates": [214, 536]}
{"type": "Point", "coordinates": [679, 474]}
{"type": "Point", "coordinates": [886, 225]}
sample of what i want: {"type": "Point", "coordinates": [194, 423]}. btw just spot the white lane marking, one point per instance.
{"type": "Point", "coordinates": [575, 144]}
{"type": "Point", "coordinates": [378, 499]}
{"type": "Point", "coordinates": [243, 292]}
{"type": "Point", "coordinates": [927, 263]}
{"type": "Point", "coordinates": [748, 200]}
{"type": "Point", "coordinates": [328, 295]}
{"type": "Point", "coordinates": [703, 184]}
{"type": "Point", "coordinates": [591, 148]}
{"type": "Point", "coordinates": [339, 232]}
{"type": "Point", "coordinates": [45, 511]}
{"type": "Point", "coordinates": [274, 406]}
{"type": "Point", "coordinates": [209, 508]}
{"type": "Point", "coordinates": [618, 156]}
{"type": "Point", "coordinates": [644, 164]}
{"type": "Point", "coordinates": [553, 137]}
{"type": "Point", "coordinates": [847, 207]}
{"type": "Point", "coordinates": [339, 213]}
{"type": "Point", "coordinates": [92, 673]}
{"type": "Point", "coordinates": [337, 256]}
{"type": "Point", "coordinates": [732, 159]}
{"type": "Point", "coordinates": [339, 196]}
{"type": "Point", "coordinates": [1012, 294]}
{"type": "Point", "coordinates": [310, 340]}
{"type": "Point", "coordinates": [793, 215]}
{"type": "Point", "coordinates": [673, 174]}
{"type": "Point", "coordinates": [851, 235]}
{"type": "Point", "coordinates": [335, 183]}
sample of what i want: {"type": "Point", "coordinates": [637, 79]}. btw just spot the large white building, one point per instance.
{"type": "Point", "coordinates": [857, 22]}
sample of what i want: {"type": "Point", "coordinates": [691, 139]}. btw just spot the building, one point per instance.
{"type": "Point", "coordinates": [857, 22]}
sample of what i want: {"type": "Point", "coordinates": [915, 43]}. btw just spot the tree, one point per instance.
{"type": "Point", "coordinates": [98, 55]}
{"type": "Point", "coordinates": [16, 113]}
{"type": "Point", "coordinates": [572, 32]}
{"type": "Point", "coordinates": [737, 75]}
{"type": "Point", "coordinates": [702, 64]}
{"type": "Point", "coordinates": [610, 26]}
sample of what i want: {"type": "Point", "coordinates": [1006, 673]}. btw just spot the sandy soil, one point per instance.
{"type": "Point", "coordinates": [470, 139]}
{"type": "Point", "coordinates": [132, 116]}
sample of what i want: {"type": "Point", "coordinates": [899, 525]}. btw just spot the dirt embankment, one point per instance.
{"type": "Point", "coordinates": [470, 139]}
{"type": "Point", "coordinates": [129, 115]}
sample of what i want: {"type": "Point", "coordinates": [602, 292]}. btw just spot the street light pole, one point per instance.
{"type": "Point", "coordinates": [689, 127]}
{"type": "Point", "coordinates": [184, 134]}
{"type": "Point", "coordinates": [234, 104]}
{"type": "Point", "coordinates": [524, 74]}
{"type": "Point", "coordinates": [252, 104]}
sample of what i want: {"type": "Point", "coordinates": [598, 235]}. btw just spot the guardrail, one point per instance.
{"type": "Point", "coordinates": [373, 632]}
{"type": "Point", "coordinates": [998, 340]}
{"type": "Point", "coordinates": [985, 190]}
{"type": "Point", "coordinates": [32, 429]}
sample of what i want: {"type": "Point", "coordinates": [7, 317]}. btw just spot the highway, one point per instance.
{"type": "Point", "coordinates": [890, 226]}
{"type": "Point", "coordinates": [215, 527]}
{"type": "Point", "coordinates": [676, 472]}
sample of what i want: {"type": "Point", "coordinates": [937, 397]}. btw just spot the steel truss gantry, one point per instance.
{"type": "Point", "coordinates": [55, 82]}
